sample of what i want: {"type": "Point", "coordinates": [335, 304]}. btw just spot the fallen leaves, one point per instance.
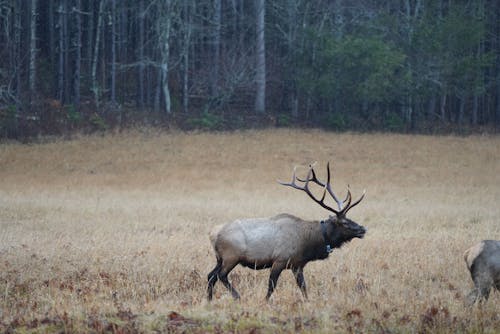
{"type": "Point", "coordinates": [121, 321]}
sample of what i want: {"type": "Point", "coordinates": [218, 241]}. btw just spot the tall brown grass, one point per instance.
{"type": "Point", "coordinates": [109, 233]}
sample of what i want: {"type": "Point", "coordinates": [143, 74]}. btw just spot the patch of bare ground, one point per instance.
{"type": "Point", "coordinates": [109, 233]}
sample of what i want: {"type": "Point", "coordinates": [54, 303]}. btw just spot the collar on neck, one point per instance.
{"type": "Point", "coordinates": [329, 248]}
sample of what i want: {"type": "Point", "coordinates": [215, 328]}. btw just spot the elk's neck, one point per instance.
{"type": "Point", "coordinates": [319, 240]}
{"type": "Point", "coordinates": [332, 236]}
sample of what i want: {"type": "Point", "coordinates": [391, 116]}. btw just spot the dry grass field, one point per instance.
{"type": "Point", "coordinates": [109, 233]}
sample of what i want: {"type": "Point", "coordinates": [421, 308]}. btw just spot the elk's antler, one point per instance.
{"type": "Point", "coordinates": [349, 206]}
{"type": "Point", "coordinates": [311, 177]}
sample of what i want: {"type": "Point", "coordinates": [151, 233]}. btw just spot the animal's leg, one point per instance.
{"type": "Point", "coordinates": [226, 268]}
{"type": "Point", "coordinates": [276, 270]}
{"type": "Point", "coordinates": [482, 287]}
{"type": "Point", "coordinates": [299, 278]}
{"type": "Point", "coordinates": [472, 297]}
{"type": "Point", "coordinates": [483, 282]}
{"type": "Point", "coordinates": [212, 279]}
{"type": "Point", "coordinates": [496, 280]}
{"type": "Point", "coordinates": [484, 291]}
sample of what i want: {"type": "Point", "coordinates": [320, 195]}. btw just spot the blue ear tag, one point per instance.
{"type": "Point", "coordinates": [329, 249]}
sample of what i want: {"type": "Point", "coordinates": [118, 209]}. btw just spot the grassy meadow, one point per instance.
{"type": "Point", "coordinates": [109, 233]}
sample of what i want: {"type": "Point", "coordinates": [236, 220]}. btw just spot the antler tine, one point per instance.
{"type": "Point", "coordinates": [348, 193]}
{"type": "Point", "coordinates": [348, 199]}
{"type": "Point", "coordinates": [314, 178]}
{"type": "Point", "coordinates": [325, 185]}
{"type": "Point", "coordinates": [311, 176]}
{"type": "Point", "coordinates": [349, 207]}
{"type": "Point", "coordinates": [330, 191]}
{"type": "Point", "coordinates": [291, 184]}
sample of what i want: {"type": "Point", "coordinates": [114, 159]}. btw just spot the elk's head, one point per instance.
{"type": "Point", "coordinates": [344, 228]}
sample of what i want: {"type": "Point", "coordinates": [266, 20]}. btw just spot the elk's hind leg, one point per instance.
{"type": "Point", "coordinates": [226, 267]}
{"type": "Point", "coordinates": [482, 286]}
{"type": "Point", "coordinates": [212, 278]}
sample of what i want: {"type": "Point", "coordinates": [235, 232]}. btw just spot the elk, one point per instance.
{"type": "Point", "coordinates": [483, 261]}
{"type": "Point", "coordinates": [283, 241]}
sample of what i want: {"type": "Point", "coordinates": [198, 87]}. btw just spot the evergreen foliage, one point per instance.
{"type": "Point", "coordinates": [363, 65]}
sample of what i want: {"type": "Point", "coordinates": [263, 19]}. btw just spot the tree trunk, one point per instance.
{"type": "Point", "coordinates": [67, 73]}
{"type": "Point", "coordinates": [113, 52]}
{"type": "Point", "coordinates": [17, 45]}
{"type": "Point", "coordinates": [461, 112]}
{"type": "Point", "coordinates": [431, 115]}
{"type": "Point", "coordinates": [165, 88]}
{"type": "Point", "coordinates": [89, 36]}
{"type": "Point", "coordinates": [442, 108]}
{"type": "Point", "coordinates": [60, 67]}
{"type": "Point", "coordinates": [141, 55]}
{"type": "Point", "coordinates": [496, 30]}
{"type": "Point", "coordinates": [260, 72]}
{"type": "Point", "coordinates": [12, 30]}
{"type": "Point", "coordinates": [157, 94]}
{"type": "Point", "coordinates": [33, 51]}
{"type": "Point", "coordinates": [95, 88]}
{"type": "Point", "coordinates": [78, 50]}
{"type": "Point", "coordinates": [187, 46]}
{"type": "Point", "coordinates": [409, 113]}
{"type": "Point", "coordinates": [52, 48]}
{"type": "Point", "coordinates": [163, 29]}
{"type": "Point", "coordinates": [292, 49]}
{"type": "Point", "coordinates": [497, 107]}
{"type": "Point", "coordinates": [216, 49]}
{"type": "Point", "coordinates": [475, 106]}
{"type": "Point", "coordinates": [122, 36]}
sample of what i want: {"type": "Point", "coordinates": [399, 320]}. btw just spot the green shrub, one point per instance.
{"type": "Point", "coordinates": [206, 121]}
{"type": "Point", "coordinates": [73, 116]}
{"type": "Point", "coordinates": [8, 122]}
{"type": "Point", "coordinates": [394, 122]}
{"type": "Point", "coordinates": [97, 122]}
{"type": "Point", "coordinates": [284, 120]}
{"type": "Point", "coordinates": [335, 121]}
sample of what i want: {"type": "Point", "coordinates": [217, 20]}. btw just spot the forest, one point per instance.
{"type": "Point", "coordinates": [416, 66]}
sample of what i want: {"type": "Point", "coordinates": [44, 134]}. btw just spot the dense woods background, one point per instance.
{"type": "Point", "coordinates": [406, 65]}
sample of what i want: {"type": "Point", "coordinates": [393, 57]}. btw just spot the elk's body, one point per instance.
{"type": "Point", "coordinates": [261, 242]}
{"type": "Point", "coordinates": [483, 261]}
{"type": "Point", "coordinates": [281, 242]}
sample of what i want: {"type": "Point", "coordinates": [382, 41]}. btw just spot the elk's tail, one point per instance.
{"type": "Point", "coordinates": [471, 254]}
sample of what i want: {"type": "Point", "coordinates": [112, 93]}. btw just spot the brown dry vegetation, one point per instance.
{"type": "Point", "coordinates": [109, 233]}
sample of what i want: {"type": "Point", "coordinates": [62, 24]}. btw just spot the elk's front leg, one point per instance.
{"type": "Point", "coordinates": [299, 278]}
{"type": "Point", "coordinates": [276, 270]}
